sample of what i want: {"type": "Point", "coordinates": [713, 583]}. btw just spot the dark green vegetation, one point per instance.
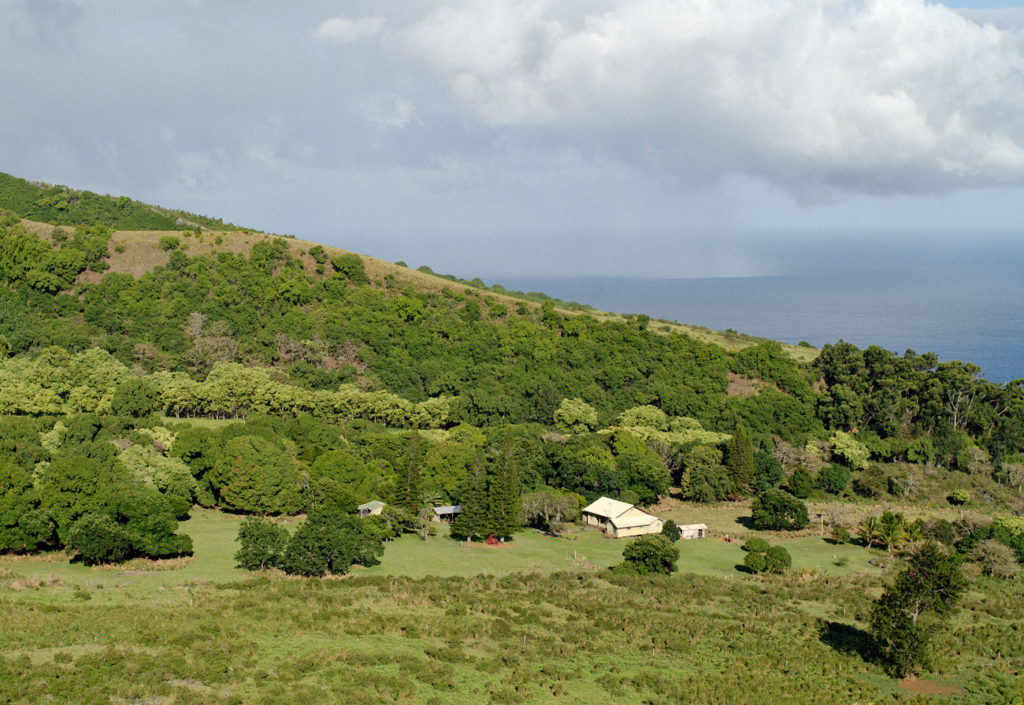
{"type": "Point", "coordinates": [912, 610]}
{"type": "Point", "coordinates": [268, 378]}
{"type": "Point", "coordinates": [61, 205]}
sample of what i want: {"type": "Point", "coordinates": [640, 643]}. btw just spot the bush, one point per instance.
{"type": "Point", "coordinates": [670, 530]}
{"type": "Point", "coordinates": [754, 562]}
{"type": "Point", "coordinates": [777, 560]}
{"type": "Point", "coordinates": [995, 559]}
{"type": "Point", "coordinates": [651, 555]}
{"type": "Point", "coordinates": [840, 534]}
{"type": "Point", "coordinates": [872, 482]}
{"type": "Point", "coordinates": [169, 242]}
{"type": "Point", "coordinates": [959, 497]}
{"type": "Point", "coordinates": [833, 479]}
{"type": "Point", "coordinates": [756, 545]}
{"type": "Point", "coordinates": [775, 509]}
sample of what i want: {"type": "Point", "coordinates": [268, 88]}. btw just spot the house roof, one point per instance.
{"type": "Point", "coordinates": [607, 507]}
{"type": "Point", "coordinates": [631, 522]}
{"type": "Point", "coordinates": [448, 509]}
{"type": "Point", "coordinates": [691, 527]}
{"type": "Point", "coordinates": [372, 504]}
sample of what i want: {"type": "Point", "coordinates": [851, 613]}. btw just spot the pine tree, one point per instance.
{"type": "Point", "coordinates": [506, 504]}
{"type": "Point", "coordinates": [740, 460]}
{"type": "Point", "coordinates": [407, 491]}
{"type": "Point", "coordinates": [473, 521]}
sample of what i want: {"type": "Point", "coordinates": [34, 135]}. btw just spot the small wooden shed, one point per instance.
{"type": "Point", "coordinates": [371, 508]}
{"type": "Point", "coordinates": [447, 513]}
{"type": "Point", "coordinates": [693, 531]}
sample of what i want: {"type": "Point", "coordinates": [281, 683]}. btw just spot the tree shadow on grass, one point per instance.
{"type": "Point", "coordinates": [847, 639]}
{"type": "Point", "coordinates": [746, 523]}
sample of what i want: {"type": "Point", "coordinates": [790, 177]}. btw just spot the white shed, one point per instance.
{"type": "Point", "coordinates": [693, 531]}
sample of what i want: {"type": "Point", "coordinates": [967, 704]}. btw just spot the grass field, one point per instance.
{"type": "Point", "coordinates": [533, 621]}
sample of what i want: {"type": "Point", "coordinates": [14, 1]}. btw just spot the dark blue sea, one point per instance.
{"type": "Point", "coordinates": [964, 309]}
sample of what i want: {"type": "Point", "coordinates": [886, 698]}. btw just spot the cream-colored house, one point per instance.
{"type": "Point", "coordinates": [371, 508]}
{"type": "Point", "coordinates": [619, 519]}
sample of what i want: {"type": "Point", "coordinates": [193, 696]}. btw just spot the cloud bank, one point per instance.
{"type": "Point", "coordinates": [870, 97]}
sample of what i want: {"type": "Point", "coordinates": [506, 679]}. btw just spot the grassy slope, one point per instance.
{"type": "Point", "coordinates": [141, 253]}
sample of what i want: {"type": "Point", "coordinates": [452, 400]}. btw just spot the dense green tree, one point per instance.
{"type": "Point", "coordinates": [137, 398]}
{"type": "Point", "coordinates": [547, 508]}
{"type": "Point", "coordinates": [800, 484]}
{"type": "Point", "coordinates": [833, 479]}
{"type": "Point", "coordinates": [253, 474]}
{"type": "Point", "coordinates": [330, 541]}
{"type": "Point", "coordinates": [670, 530]}
{"type": "Point", "coordinates": [261, 544]}
{"type": "Point", "coordinates": [576, 415]}
{"type": "Point", "coordinates": [777, 510]}
{"type": "Point", "coordinates": [504, 500]}
{"type": "Point", "coordinates": [473, 523]}
{"type": "Point", "coordinates": [97, 538]}
{"type": "Point", "coordinates": [740, 460]}
{"type": "Point", "coordinates": [704, 477]}
{"type": "Point", "coordinates": [915, 607]}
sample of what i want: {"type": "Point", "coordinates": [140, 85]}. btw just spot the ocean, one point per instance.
{"type": "Point", "coordinates": [965, 310]}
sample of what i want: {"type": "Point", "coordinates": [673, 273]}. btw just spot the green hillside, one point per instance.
{"type": "Point", "coordinates": [151, 376]}
{"type": "Point", "coordinates": [60, 205]}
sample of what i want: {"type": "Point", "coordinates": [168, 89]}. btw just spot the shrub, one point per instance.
{"type": "Point", "coordinates": [651, 555]}
{"type": "Point", "coordinates": [670, 530]}
{"type": "Point", "coordinates": [995, 559]}
{"type": "Point", "coordinates": [959, 497]}
{"type": "Point", "coordinates": [840, 534]}
{"type": "Point", "coordinates": [754, 562]}
{"type": "Point", "coordinates": [872, 482]}
{"type": "Point", "coordinates": [756, 545]}
{"type": "Point", "coordinates": [849, 450]}
{"type": "Point", "coordinates": [775, 509]}
{"type": "Point", "coordinates": [169, 242]}
{"type": "Point", "coordinates": [777, 560]}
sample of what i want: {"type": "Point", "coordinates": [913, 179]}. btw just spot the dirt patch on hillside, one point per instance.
{"type": "Point", "coordinates": [740, 386]}
{"type": "Point", "coordinates": [926, 687]}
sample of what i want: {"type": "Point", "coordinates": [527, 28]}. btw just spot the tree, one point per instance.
{"type": "Point", "coordinates": [350, 266]}
{"type": "Point", "coordinates": [670, 530]}
{"type": "Point", "coordinates": [704, 478]}
{"type": "Point", "coordinates": [99, 539]}
{"type": "Point", "coordinates": [800, 483]}
{"type": "Point", "coordinates": [330, 541]}
{"type": "Point", "coordinates": [506, 507]}
{"type": "Point", "coordinates": [915, 607]}
{"type": "Point", "coordinates": [833, 479]}
{"type": "Point", "coordinates": [774, 509]}
{"type": "Point", "coordinates": [137, 398]}
{"type": "Point", "coordinates": [261, 544]}
{"type": "Point", "coordinates": [547, 508]}
{"type": "Point", "coordinates": [576, 416]}
{"type": "Point", "coordinates": [740, 459]}
{"type": "Point", "coordinates": [473, 521]}
{"type": "Point", "coordinates": [651, 554]}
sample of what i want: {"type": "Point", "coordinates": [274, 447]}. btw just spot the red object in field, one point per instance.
{"type": "Point", "coordinates": [491, 541]}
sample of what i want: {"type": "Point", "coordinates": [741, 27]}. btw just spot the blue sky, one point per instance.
{"type": "Point", "coordinates": [532, 137]}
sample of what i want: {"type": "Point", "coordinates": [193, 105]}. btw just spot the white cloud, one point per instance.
{"type": "Point", "coordinates": [342, 30]}
{"type": "Point", "coordinates": [821, 96]}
